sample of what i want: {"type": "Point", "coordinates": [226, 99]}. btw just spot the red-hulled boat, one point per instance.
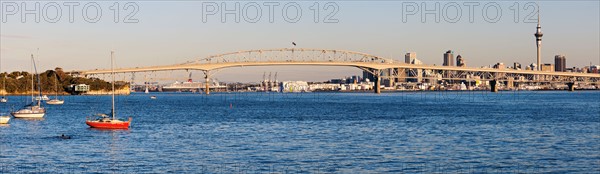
{"type": "Point", "coordinates": [103, 121]}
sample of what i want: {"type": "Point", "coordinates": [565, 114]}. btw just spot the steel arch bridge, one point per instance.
{"type": "Point", "coordinates": [265, 57]}
{"type": "Point", "coordinates": [367, 62]}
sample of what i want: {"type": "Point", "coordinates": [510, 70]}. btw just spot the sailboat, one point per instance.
{"type": "Point", "coordinates": [32, 110]}
{"type": "Point", "coordinates": [103, 121]}
{"type": "Point", "coordinates": [55, 101]}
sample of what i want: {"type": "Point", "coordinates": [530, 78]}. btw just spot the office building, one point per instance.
{"type": "Point", "coordinates": [410, 57]}
{"type": "Point", "coordinates": [560, 63]}
{"type": "Point", "coordinates": [547, 67]}
{"type": "Point", "coordinates": [460, 61]}
{"type": "Point", "coordinates": [448, 58]}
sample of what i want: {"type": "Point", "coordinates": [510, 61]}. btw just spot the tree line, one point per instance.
{"type": "Point", "coordinates": [51, 81]}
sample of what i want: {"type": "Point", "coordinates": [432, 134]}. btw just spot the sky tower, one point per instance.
{"type": "Point", "coordinates": [538, 37]}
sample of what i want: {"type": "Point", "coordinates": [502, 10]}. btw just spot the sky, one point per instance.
{"type": "Point", "coordinates": [150, 33]}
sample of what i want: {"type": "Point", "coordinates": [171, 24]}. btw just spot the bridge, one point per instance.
{"type": "Point", "coordinates": [379, 67]}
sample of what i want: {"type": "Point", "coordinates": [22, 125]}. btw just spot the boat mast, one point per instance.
{"type": "Point", "coordinates": [56, 85]}
{"type": "Point", "coordinates": [38, 82]}
{"type": "Point", "coordinates": [3, 81]}
{"type": "Point", "coordinates": [112, 73]}
{"type": "Point", "coordinates": [32, 88]}
{"type": "Point", "coordinates": [4, 86]}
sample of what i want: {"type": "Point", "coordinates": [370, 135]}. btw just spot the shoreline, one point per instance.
{"type": "Point", "coordinates": [121, 93]}
{"type": "Point", "coordinates": [124, 91]}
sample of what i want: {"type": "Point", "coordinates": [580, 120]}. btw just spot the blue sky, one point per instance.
{"type": "Point", "coordinates": [174, 32]}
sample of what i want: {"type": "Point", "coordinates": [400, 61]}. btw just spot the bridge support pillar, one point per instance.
{"type": "Point", "coordinates": [377, 86]}
{"type": "Point", "coordinates": [493, 86]}
{"type": "Point", "coordinates": [206, 83]}
{"type": "Point", "coordinates": [571, 86]}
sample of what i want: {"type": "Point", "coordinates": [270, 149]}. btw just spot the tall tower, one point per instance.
{"type": "Point", "coordinates": [538, 37]}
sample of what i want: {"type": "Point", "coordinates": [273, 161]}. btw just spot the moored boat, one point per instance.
{"type": "Point", "coordinates": [44, 97]}
{"type": "Point", "coordinates": [103, 121]}
{"type": "Point", "coordinates": [55, 101]}
{"type": "Point", "coordinates": [4, 119]}
{"type": "Point", "coordinates": [32, 110]}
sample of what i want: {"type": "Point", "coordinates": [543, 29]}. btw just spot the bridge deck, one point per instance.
{"type": "Point", "coordinates": [369, 65]}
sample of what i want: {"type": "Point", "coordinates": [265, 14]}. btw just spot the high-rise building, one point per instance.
{"type": "Point", "coordinates": [460, 61]}
{"type": "Point", "coordinates": [369, 76]}
{"type": "Point", "coordinates": [560, 63]}
{"type": "Point", "coordinates": [594, 69]}
{"type": "Point", "coordinates": [410, 57]}
{"type": "Point", "coordinates": [448, 58]}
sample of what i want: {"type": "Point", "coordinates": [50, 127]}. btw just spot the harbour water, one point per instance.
{"type": "Point", "coordinates": [413, 132]}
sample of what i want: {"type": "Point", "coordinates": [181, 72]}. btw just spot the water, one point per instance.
{"type": "Point", "coordinates": [427, 132]}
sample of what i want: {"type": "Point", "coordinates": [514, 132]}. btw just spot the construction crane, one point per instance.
{"type": "Point", "coordinates": [270, 82]}
{"type": "Point", "coordinates": [276, 82]}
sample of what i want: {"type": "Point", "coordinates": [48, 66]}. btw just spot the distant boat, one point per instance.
{"type": "Point", "coordinates": [32, 110]}
{"type": "Point", "coordinates": [55, 101]}
{"type": "Point", "coordinates": [4, 119]}
{"type": "Point", "coordinates": [3, 100]}
{"type": "Point", "coordinates": [153, 97]}
{"type": "Point", "coordinates": [103, 121]}
{"type": "Point", "coordinates": [44, 97]}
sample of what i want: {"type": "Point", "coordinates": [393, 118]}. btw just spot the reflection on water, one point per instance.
{"type": "Point", "coordinates": [425, 132]}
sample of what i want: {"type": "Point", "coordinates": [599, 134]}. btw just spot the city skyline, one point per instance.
{"type": "Point", "coordinates": [482, 42]}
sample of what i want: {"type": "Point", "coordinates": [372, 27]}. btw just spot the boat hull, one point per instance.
{"type": "Point", "coordinates": [28, 115]}
{"type": "Point", "coordinates": [4, 119]}
{"type": "Point", "coordinates": [108, 125]}
{"type": "Point", "coordinates": [55, 102]}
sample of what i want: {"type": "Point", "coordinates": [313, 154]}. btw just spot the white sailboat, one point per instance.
{"type": "Point", "coordinates": [32, 110]}
{"type": "Point", "coordinates": [55, 101]}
